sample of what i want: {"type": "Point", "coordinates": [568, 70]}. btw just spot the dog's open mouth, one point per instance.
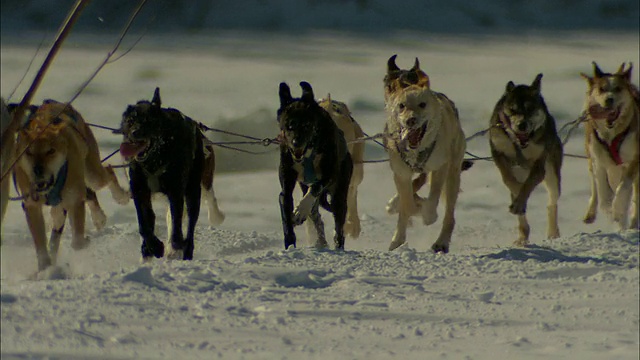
{"type": "Point", "coordinates": [298, 153]}
{"type": "Point", "coordinates": [414, 136]}
{"type": "Point", "coordinates": [523, 138]}
{"type": "Point", "coordinates": [610, 115]}
{"type": "Point", "coordinates": [134, 149]}
{"type": "Point", "coordinates": [44, 186]}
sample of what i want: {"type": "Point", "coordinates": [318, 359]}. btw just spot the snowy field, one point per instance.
{"type": "Point", "coordinates": [243, 297]}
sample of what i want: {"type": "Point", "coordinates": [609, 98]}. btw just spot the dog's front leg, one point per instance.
{"type": "Point", "coordinates": [58, 218]}
{"type": "Point", "coordinates": [76, 220]}
{"type": "Point", "coordinates": [504, 166]}
{"type": "Point", "coordinates": [176, 207]}
{"type": "Point", "coordinates": [407, 208]}
{"type": "Point", "coordinates": [35, 220]}
{"type": "Point", "coordinates": [592, 208]}
{"type": "Point", "coordinates": [604, 191]}
{"type": "Point", "coordinates": [287, 183]}
{"type": "Point", "coordinates": [536, 175]}
{"type": "Point", "coordinates": [151, 245]}
{"type": "Point", "coordinates": [622, 198]}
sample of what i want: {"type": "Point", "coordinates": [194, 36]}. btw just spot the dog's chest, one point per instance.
{"type": "Point", "coordinates": [518, 156]}
{"type": "Point", "coordinates": [308, 170]}
{"type": "Point", "coordinates": [614, 149]}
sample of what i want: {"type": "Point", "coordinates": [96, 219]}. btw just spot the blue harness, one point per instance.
{"type": "Point", "coordinates": [54, 196]}
{"type": "Point", "coordinates": [309, 172]}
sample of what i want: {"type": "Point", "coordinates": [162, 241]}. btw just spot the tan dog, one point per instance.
{"type": "Point", "coordinates": [424, 137]}
{"type": "Point", "coordinates": [527, 151]}
{"type": "Point", "coordinates": [8, 144]}
{"type": "Point", "coordinates": [612, 137]}
{"type": "Point", "coordinates": [61, 160]}
{"type": "Point", "coordinates": [342, 116]}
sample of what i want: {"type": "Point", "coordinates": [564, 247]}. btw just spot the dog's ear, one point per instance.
{"type": "Point", "coordinates": [510, 87]}
{"type": "Point", "coordinates": [535, 85]}
{"type": "Point", "coordinates": [391, 64]}
{"type": "Point", "coordinates": [285, 95]}
{"type": "Point", "coordinates": [416, 66]}
{"type": "Point", "coordinates": [597, 73]}
{"type": "Point", "coordinates": [627, 73]}
{"type": "Point", "coordinates": [588, 78]}
{"type": "Point", "coordinates": [307, 92]}
{"type": "Point", "coordinates": [156, 98]}
{"type": "Point", "coordinates": [328, 98]}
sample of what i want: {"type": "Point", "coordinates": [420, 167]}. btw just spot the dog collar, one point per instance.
{"type": "Point", "coordinates": [54, 196]}
{"type": "Point", "coordinates": [614, 147]}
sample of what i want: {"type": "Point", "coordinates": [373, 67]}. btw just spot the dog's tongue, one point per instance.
{"type": "Point", "coordinates": [522, 137]}
{"type": "Point", "coordinates": [129, 149]}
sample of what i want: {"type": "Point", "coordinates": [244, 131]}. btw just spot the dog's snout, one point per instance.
{"type": "Point", "coordinates": [38, 171]}
{"type": "Point", "coordinates": [522, 126]}
{"type": "Point", "coordinates": [411, 122]}
{"type": "Point", "coordinates": [608, 102]}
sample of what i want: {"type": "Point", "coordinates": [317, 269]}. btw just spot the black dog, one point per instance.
{"type": "Point", "coordinates": [165, 153]}
{"type": "Point", "coordinates": [313, 153]}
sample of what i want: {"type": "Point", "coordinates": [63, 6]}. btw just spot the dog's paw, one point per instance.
{"type": "Point", "coordinates": [121, 197]}
{"type": "Point", "coordinates": [216, 217]}
{"type": "Point", "coordinates": [99, 219]}
{"type": "Point", "coordinates": [392, 205]}
{"type": "Point", "coordinates": [429, 211]}
{"type": "Point", "coordinates": [175, 254]}
{"type": "Point", "coordinates": [521, 242]}
{"type": "Point", "coordinates": [553, 233]}
{"type": "Point", "coordinates": [80, 243]}
{"type": "Point", "coordinates": [439, 247]}
{"type": "Point", "coordinates": [518, 207]}
{"type": "Point", "coordinates": [589, 218]}
{"type": "Point", "coordinates": [303, 209]}
{"type": "Point", "coordinates": [397, 241]}
{"type": "Point", "coordinates": [352, 228]}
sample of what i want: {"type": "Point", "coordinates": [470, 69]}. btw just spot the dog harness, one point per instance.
{"type": "Point", "coordinates": [308, 170]}
{"type": "Point", "coordinates": [421, 159]}
{"type": "Point", "coordinates": [54, 196]}
{"type": "Point", "coordinates": [614, 147]}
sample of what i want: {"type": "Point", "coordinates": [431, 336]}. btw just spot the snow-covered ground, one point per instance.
{"type": "Point", "coordinates": [243, 297]}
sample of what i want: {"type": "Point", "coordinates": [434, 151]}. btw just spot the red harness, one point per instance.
{"type": "Point", "coordinates": [614, 147]}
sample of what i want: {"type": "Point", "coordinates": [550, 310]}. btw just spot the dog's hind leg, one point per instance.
{"type": "Point", "coordinates": [592, 208]}
{"type": "Point", "coordinates": [193, 194]}
{"type": "Point", "coordinates": [76, 220]}
{"type": "Point", "coordinates": [452, 189]}
{"type": "Point", "coordinates": [58, 218]}
{"type": "Point", "coordinates": [352, 226]}
{"type": "Point", "coordinates": [35, 220]}
{"type": "Point", "coordinates": [216, 217]}
{"type": "Point", "coordinates": [99, 176]}
{"type": "Point", "coordinates": [552, 183]}
{"type": "Point", "coordinates": [176, 236]}
{"type": "Point", "coordinates": [634, 224]}
{"type": "Point", "coordinates": [97, 214]}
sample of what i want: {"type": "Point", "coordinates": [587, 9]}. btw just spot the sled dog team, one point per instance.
{"type": "Point", "coordinates": [168, 153]}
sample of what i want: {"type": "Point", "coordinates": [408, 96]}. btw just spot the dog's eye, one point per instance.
{"type": "Point", "coordinates": [51, 151]}
{"type": "Point", "coordinates": [617, 89]}
{"type": "Point", "coordinates": [422, 105]}
{"type": "Point", "coordinates": [603, 89]}
{"type": "Point", "coordinates": [401, 106]}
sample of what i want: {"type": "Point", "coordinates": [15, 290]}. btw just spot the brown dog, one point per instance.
{"type": "Point", "coordinates": [612, 137]}
{"type": "Point", "coordinates": [60, 161]}
{"type": "Point", "coordinates": [341, 115]}
{"type": "Point", "coordinates": [527, 150]}
{"type": "Point", "coordinates": [424, 137]}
